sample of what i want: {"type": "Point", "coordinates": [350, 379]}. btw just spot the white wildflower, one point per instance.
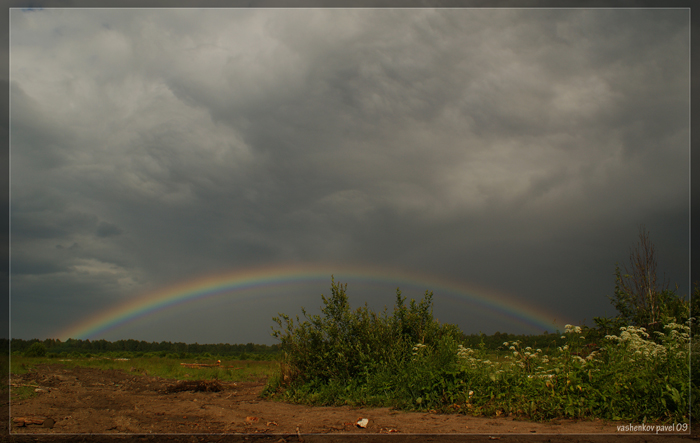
{"type": "Point", "coordinates": [640, 348]}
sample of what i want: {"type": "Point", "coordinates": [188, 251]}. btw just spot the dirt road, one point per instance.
{"type": "Point", "coordinates": [95, 405]}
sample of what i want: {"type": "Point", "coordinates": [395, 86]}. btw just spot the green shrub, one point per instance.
{"type": "Point", "coordinates": [410, 361]}
{"type": "Point", "coordinates": [37, 349]}
{"type": "Point", "coordinates": [346, 356]}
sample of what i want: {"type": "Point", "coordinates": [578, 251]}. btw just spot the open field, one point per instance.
{"type": "Point", "coordinates": [120, 397]}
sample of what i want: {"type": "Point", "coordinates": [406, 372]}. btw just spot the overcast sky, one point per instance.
{"type": "Point", "coordinates": [516, 150]}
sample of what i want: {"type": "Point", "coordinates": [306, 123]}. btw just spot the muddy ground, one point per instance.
{"type": "Point", "coordinates": [86, 404]}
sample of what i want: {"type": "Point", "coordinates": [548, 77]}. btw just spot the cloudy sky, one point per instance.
{"type": "Point", "coordinates": [512, 150]}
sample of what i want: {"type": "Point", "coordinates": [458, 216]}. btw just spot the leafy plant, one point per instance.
{"type": "Point", "coordinates": [336, 355]}
{"type": "Point", "coordinates": [413, 362]}
{"type": "Point", "coordinates": [37, 349]}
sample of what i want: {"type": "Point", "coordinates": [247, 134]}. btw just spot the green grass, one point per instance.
{"type": "Point", "coordinates": [631, 378]}
{"type": "Point", "coordinates": [23, 392]}
{"type": "Point", "coordinates": [159, 367]}
{"type": "Point", "coordinates": [167, 368]}
{"type": "Point", "coordinates": [16, 368]}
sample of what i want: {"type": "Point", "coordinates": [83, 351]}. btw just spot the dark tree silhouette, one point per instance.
{"type": "Point", "coordinates": [640, 298]}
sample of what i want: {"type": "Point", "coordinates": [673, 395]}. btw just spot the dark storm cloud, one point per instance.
{"type": "Point", "coordinates": [515, 149]}
{"type": "Point", "coordinates": [105, 229]}
{"type": "Point", "coordinates": [47, 222]}
{"type": "Point", "coordinates": [20, 267]}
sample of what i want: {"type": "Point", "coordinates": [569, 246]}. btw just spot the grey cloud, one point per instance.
{"type": "Point", "coordinates": [53, 221]}
{"type": "Point", "coordinates": [507, 148]}
{"type": "Point", "coordinates": [105, 229]}
{"type": "Point", "coordinates": [21, 267]}
{"type": "Point", "coordinates": [36, 134]}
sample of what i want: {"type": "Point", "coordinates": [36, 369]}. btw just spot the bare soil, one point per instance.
{"type": "Point", "coordinates": [86, 404]}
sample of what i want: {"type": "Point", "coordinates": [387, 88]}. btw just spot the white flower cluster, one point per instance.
{"type": "Point", "coordinates": [526, 358]}
{"type": "Point", "coordinates": [677, 339]}
{"type": "Point", "coordinates": [541, 375]}
{"type": "Point", "coordinates": [589, 357]}
{"type": "Point", "coordinates": [463, 352]}
{"type": "Point", "coordinates": [635, 339]}
{"type": "Point", "coordinates": [570, 328]}
{"type": "Point", "coordinates": [592, 356]}
{"type": "Point", "coordinates": [580, 359]}
{"type": "Point", "coordinates": [468, 355]}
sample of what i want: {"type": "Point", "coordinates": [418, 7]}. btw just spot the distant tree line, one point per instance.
{"type": "Point", "coordinates": [55, 347]}
{"type": "Point", "coordinates": [252, 351]}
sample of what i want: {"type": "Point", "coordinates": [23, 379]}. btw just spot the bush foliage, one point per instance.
{"type": "Point", "coordinates": [342, 347]}
{"type": "Point", "coordinates": [36, 350]}
{"type": "Point", "coordinates": [410, 361]}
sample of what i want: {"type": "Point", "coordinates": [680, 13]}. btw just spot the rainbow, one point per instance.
{"type": "Point", "coordinates": [240, 281]}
